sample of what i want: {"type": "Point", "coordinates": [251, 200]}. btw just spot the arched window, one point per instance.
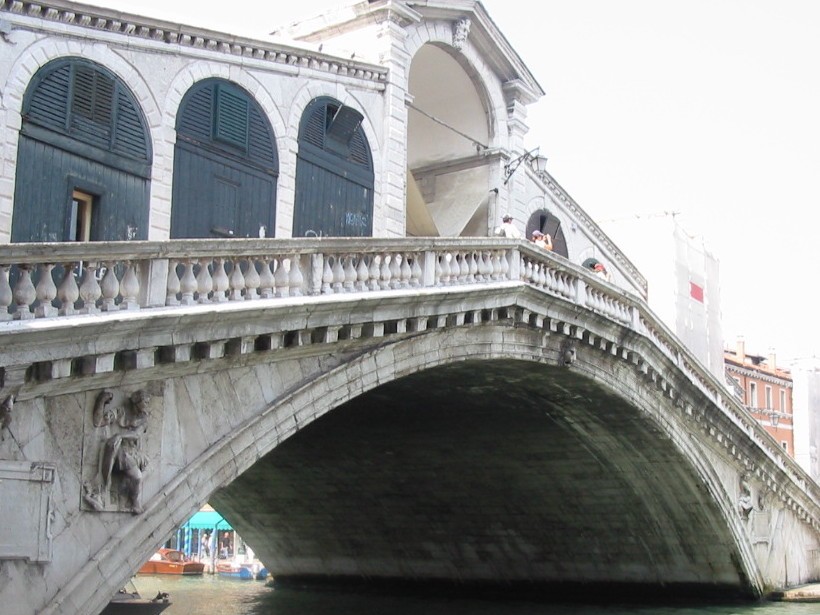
{"type": "Point", "coordinates": [334, 173]}
{"type": "Point", "coordinates": [84, 157]}
{"type": "Point", "coordinates": [544, 221]}
{"type": "Point", "coordinates": [225, 165]}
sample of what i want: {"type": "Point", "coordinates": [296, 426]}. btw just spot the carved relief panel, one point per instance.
{"type": "Point", "coordinates": [121, 449]}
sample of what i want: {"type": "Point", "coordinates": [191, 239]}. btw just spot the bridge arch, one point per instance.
{"type": "Point", "coordinates": [618, 414]}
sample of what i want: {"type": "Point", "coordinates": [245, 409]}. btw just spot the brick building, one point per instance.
{"type": "Point", "coordinates": [766, 391]}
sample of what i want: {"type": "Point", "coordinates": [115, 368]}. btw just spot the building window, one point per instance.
{"type": "Point", "coordinates": [82, 204]}
{"type": "Point", "coordinates": [785, 445]}
{"type": "Point", "coordinates": [783, 401]}
{"type": "Point", "coordinates": [769, 404]}
{"type": "Point", "coordinates": [752, 395]}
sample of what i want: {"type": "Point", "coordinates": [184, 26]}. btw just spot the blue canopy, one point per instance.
{"type": "Point", "coordinates": [208, 520]}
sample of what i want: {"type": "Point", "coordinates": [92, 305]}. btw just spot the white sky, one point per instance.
{"type": "Point", "coordinates": [710, 108]}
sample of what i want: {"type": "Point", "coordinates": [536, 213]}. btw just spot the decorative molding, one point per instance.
{"type": "Point", "coordinates": [758, 375]}
{"type": "Point", "coordinates": [93, 18]}
{"type": "Point", "coordinates": [461, 30]}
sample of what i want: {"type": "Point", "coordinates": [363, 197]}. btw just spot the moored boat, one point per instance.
{"type": "Point", "coordinates": [237, 570]}
{"type": "Point", "coordinates": [171, 561]}
{"type": "Point", "coordinates": [128, 601]}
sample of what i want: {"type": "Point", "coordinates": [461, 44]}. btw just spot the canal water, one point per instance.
{"type": "Point", "coordinates": [212, 595]}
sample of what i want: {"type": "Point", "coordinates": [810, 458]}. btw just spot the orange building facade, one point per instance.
{"type": "Point", "coordinates": [765, 390]}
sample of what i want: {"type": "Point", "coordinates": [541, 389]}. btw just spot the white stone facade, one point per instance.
{"type": "Point", "coordinates": [466, 182]}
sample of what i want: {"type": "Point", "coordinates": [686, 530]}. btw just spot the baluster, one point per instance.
{"type": "Point", "coordinates": [172, 284]}
{"type": "Point", "coordinates": [526, 271]}
{"type": "Point", "coordinates": [444, 278]}
{"type": "Point", "coordinates": [362, 273]}
{"type": "Point", "coordinates": [496, 262]}
{"type": "Point", "coordinates": [395, 271]}
{"type": "Point", "coordinates": [204, 282]}
{"type": "Point", "coordinates": [280, 276]}
{"type": "Point", "coordinates": [46, 292]}
{"type": "Point", "coordinates": [90, 290]}
{"type": "Point", "coordinates": [455, 268]}
{"type": "Point", "coordinates": [296, 278]}
{"type": "Point", "coordinates": [505, 264]}
{"type": "Point", "coordinates": [406, 273]}
{"type": "Point", "coordinates": [68, 292]}
{"type": "Point", "coordinates": [327, 277]}
{"type": "Point", "coordinates": [472, 267]}
{"type": "Point", "coordinates": [338, 274]}
{"type": "Point", "coordinates": [480, 267]}
{"type": "Point", "coordinates": [350, 274]}
{"type": "Point", "coordinates": [24, 294]}
{"type": "Point", "coordinates": [252, 281]}
{"type": "Point", "coordinates": [6, 296]}
{"type": "Point", "coordinates": [566, 285]}
{"type": "Point", "coordinates": [374, 272]}
{"type": "Point", "coordinates": [130, 287]}
{"type": "Point", "coordinates": [189, 284]}
{"type": "Point", "coordinates": [464, 269]}
{"type": "Point", "coordinates": [236, 282]}
{"type": "Point", "coordinates": [416, 272]}
{"type": "Point", "coordinates": [266, 281]}
{"type": "Point", "coordinates": [439, 271]}
{"type": "Point", "coordinates": [384, 273]}
{"type": "Point", "coordinates": [221, 282]}
{"type": "Point", "coordinates": [110, 289]}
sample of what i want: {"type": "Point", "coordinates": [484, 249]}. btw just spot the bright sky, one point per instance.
{"type": "Point", "coordinates": [710, 108]}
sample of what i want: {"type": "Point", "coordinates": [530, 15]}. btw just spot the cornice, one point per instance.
{"type": "Point", "coordinates": [158, 31]}
{"type": "Point", "coordinates": [567, 201]}
{"type": "Point", "coordinates": [758, 375]}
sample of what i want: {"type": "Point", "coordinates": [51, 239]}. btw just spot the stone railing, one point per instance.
{"type": "Point", "coordinates": [54, 280]}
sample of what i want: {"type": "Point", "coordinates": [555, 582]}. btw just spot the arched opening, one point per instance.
{"type": "Point", "coordinates": [334, 173]}
{"type": "Point", "coordinates": [226, 165]}
{"type": "Point", "coordinates": [83, 159]}
{"type": "Point", "coordinates": [448, 131]}
{"type": "Point", "coordinates": [542, 220]}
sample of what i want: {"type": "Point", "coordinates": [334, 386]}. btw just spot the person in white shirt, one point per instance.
{"type": "Point", "coordinates": [508, 229]}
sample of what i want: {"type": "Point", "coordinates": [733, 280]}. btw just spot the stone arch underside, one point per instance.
{"type": "Point", "coordinates": [448, 129]}
{"type": "Point", "coordinates": [452, 456]}
{"type": "Point", "coordinates": [488, 471]}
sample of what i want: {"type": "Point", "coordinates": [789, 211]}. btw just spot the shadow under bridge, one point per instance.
{"type": "Point", "coordinates": [492, 472]}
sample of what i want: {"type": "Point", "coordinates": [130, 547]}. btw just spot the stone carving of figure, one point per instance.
{"type": "Point", "coordinates": [5, 416]}
{"type": "Point", "coordinates": [122, 453]}
{"type": "Point", "coordinates": [745, 503]}
{"type": "Point", "coordinates": [121, 458]}
{"type": "Point", "coordinates": [461, 30]}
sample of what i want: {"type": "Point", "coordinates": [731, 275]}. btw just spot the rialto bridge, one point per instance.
{"type": "Point", "coordinates": [462, 410]}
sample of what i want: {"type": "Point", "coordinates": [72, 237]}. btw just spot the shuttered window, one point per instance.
{"type": "Point", "coordinates": [222, 118]}
{"type": "Point", "coordinates": [334, 128]}
{"type": "Point", "coordinates": [231, 119]}
{"type": "Point", "coordinates": [85, 102]}
{"type": "Point", "coordinates": [334, 173]}
{"type": "Point", "coordinates": [225, 164]}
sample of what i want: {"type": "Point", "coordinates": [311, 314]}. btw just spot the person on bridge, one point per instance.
{"type": "Point", "coordinates": [508, 229]}
{"type": "Point", "coordinates": [542, 240]}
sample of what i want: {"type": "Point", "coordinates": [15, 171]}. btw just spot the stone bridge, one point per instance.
{"type": "Point", "coordinates": [458, 411]}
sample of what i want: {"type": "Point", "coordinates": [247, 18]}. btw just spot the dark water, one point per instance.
{"type": "Point", "coordinates": [212, 595]}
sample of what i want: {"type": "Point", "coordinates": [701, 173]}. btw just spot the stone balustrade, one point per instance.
{"type": "Point", "coordinates": [54, 280]}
